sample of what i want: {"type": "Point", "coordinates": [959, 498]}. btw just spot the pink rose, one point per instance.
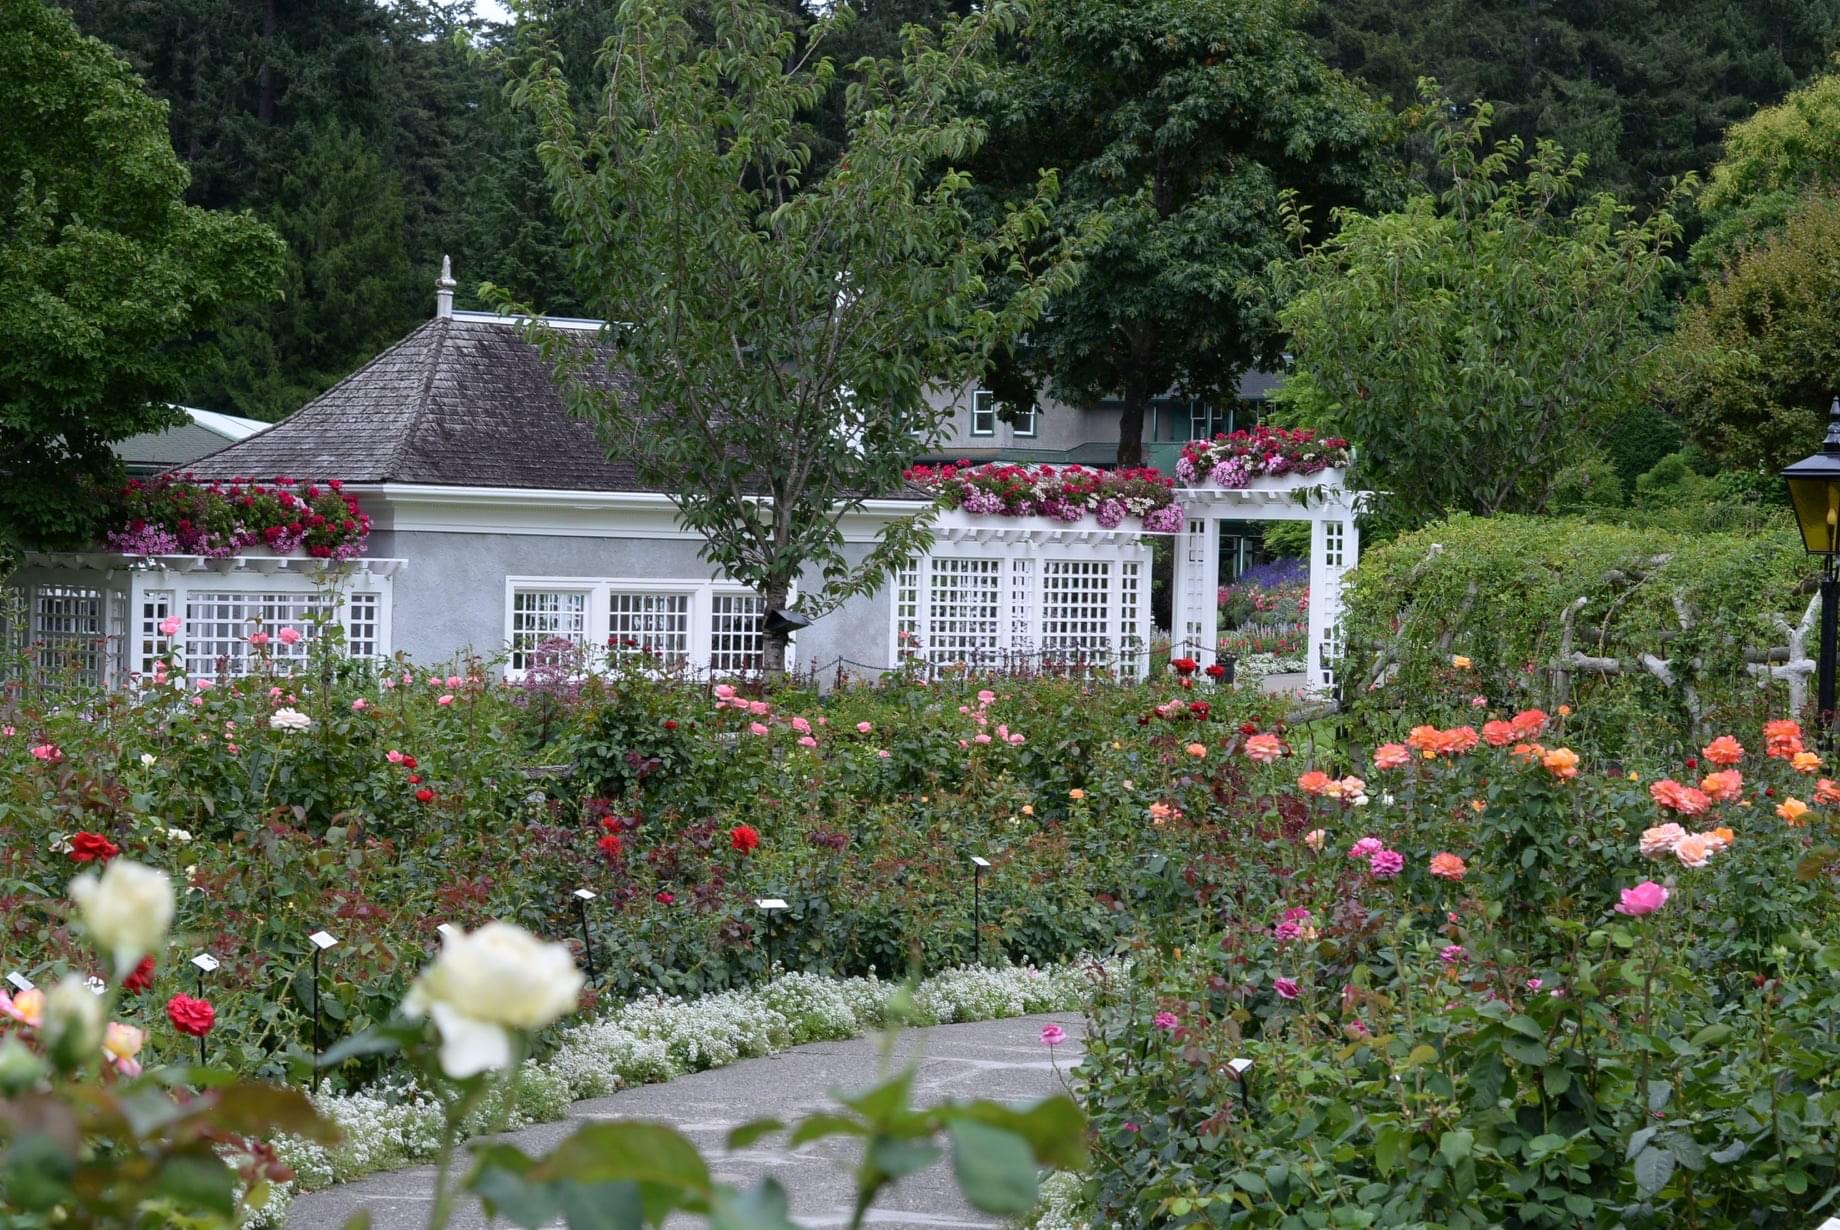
{"type": "Point", "coordinates": [1167, 1022]}
{"type": "Point", "coordinates": [444, 699]}
{"type": "Point", "coordinates": [1644, 898]}
{"type": "Point", "coordinates": [807, 741]}
{"type": "Point", "coordinates": [170, 626]}
{"type": "Point", "coordinates": [393, 756]}
{"type": "Point", "coordinates": [1386, 864]}
{"type": "Point", "coordinates": [360, 705]}
{"type": "Point", "coordinates": [1366, 848]}
{"type": "Point", "coordinates": [288, 636]}
{"type": "Point", "coordinates": [883, 754]}
{"type": "Point", "coordinates": [1016, 740]}
{"type": "Point", "coordinates": [863, 728]}
{"type": "Point", "coordinates": [723, 691]}
{"type": "Point", "coordinates": [801, 725]}
{"type": "Point", "coordinates": [454, 681]}
{"type": "Point", "coordinates": [980, 738]}
{"type": "Point", "coordinates": [759, 708]}
{"type": "Point", "coordinates": [1285, 987]}
{"type": "Point", "coordinates": [258, 639]}
{"type": "Point", "coordinates": [755, 728]}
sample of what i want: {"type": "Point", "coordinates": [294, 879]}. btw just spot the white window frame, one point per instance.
{"type": "Point", "coordinates": [984, 406]}
{"type": "Point", "coordinates": [599, 611]}
{"type": "Point", "coordinates": [1031, 417]}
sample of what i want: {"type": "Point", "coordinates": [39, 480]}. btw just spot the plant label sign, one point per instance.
{"type": "Point", "coordinates": [585, 894]}
{"type": "Point", "coordinates": [323, 940]}
{"type": "Point", "coordinates": [770, 903]}
{"type": "Point", "coordinates": [448, 931]}
{"type": "Point", "coordinates": [19, 981]}
{"type": "Point", "coordinates": [207, 963]}
{"type": "Point", "coordinates": [979, 862]}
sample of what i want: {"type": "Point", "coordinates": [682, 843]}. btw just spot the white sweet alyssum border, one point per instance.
{"type": "Point", "coordinates": [394, 1124]}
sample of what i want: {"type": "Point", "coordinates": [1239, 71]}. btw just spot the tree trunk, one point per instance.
{"type": "Point", "coordinates": [1131, 420]}
{"type": "Point", "coordinates": [773, 644]}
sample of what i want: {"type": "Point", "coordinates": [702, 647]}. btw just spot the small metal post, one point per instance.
{"type": "Point", "coordinates": [1240, 1068]}
{"type": "Point", "coordinates": [1830, 620]}
{"type": "Point", "coordinates": [770, 906]}
{"type": "Point", "coordinates": [205, 963]}
{"type": "Point", "coordinates": [582, 897]}
{"type": "Point", "coordinates": [978, 864]}
{"type": "Point", "coordinates": [322, 940]}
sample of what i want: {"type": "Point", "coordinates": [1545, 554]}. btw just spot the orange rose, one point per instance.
{"type": "Point", "coordinates": [1313, 781]}
{"type": "Point", "coordinates": [1562, 762]}
{"type": "Point", "coordinates": [1827, 792]}
{"type": "Point", "coordinates": [1805, 762]}
{"type": "Point", "coordinates": [1793, 811]}
{"type": "Point", "coordinates": [1723, 750]}
{"type": "Point", "coordinates": [1390, 756]}
{"type": "Point", "coordinates": [1723, 786]}
{"type": "Point", "coordinates": [1446, 866]}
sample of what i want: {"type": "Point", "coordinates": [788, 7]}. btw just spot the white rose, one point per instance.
{"type": "Point", "coordinates": [73, 1019]}
{"type": "Point", "coordinates": [180, 835]}
{"type": "Point", "coordinates": [127, 910]}
{"type": "Point", "coordinates": [290, 719]}
{"type": "Point", "coordinates": [147, 760]}
{"type": "Point", "coordinates": [487, 983]}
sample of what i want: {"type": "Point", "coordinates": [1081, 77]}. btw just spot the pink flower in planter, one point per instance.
{"type": "Point", "coordinates": [1644, 898]}
{"type": "Point", "coordinates": [986, 696]}
{"type": "Point", "coordinates": [48, 752]}
{"type": "Point", "coordinates": [1016, 740]}
{"type": "Point", "coordinates": [1451, 954]}
{"type": "Point", "coordinates": [170, 626]}
{"type": "Point", "coordinates": [759, 708]}
{"type": "Point", "coordinates": [288, 636]}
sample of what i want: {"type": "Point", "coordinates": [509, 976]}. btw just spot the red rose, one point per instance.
{"type": "Point", "coordinates": [92, 848]}
{"type": "Point", "coordinates": [669, 724]}
{"type": "Point", "coordinates": [663, 898]}
{"type": "Point", "coordinates": [408, 762]}
{"type": "Point", "coordinates": [1216, 671]}
{"type": "Point", "coordinates": [415, 779]}
{"type": "Point", "coordinates": [191, 1016]}
{"type": "Point", "coordinates": [424, 795]}
{"type": "Point", "coordinates": [610, 846]}
{"type": "Point", "coordinates": [743, 838]}
{"type": "Point", "coordinates": [140, 979]}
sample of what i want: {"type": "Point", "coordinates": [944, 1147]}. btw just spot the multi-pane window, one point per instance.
{"type": "Point", "coordinates": [656, 625]}
{"type": "Point", "coordinates": [983, 413]}
{"type": "Point", "coordinates": [67, 630]}
{"type": "Point", "coordinates": [907, 611]}
{"type": "Point", "coordinates": [539, 615]}
{"type": "Point", "coordinates": [363, 625]}
{"type": "Point", "coordinates": [1075, 605]}
{"type": "Point", "coordinates": [1335, 540]}
{"type": "Point", "coordinates": [156, 605]}
{"type": "Point", "coordinates": [735, 633]}
{"type": "Point", "coordinates": [1024, 427]}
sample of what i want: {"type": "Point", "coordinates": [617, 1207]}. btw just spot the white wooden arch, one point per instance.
{"type": "Point", "coordinates": [1335, 546]}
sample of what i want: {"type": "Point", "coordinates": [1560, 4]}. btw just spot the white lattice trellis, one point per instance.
{"type": "Point", "coordinates": [999, 592]}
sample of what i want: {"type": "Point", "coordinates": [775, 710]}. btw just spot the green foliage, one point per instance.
{"type": "Point", "coordinates": [1179, 125]}
{"type": "Point", "coordinates": [1751, 366]}
{"type": "Point", "coordinates": [1770, 162]}
{"type": "Point", "coordinates": [786, 325]}
{"type": "Point", "coordinates": [1639, 437]}
{"type": "Point", "coordinates": [1495, 590]}
{"type": "Point", "coordinates": [107, 279]}
{"type": "Point", "coordinates": [1476, 344]}
{"type": "Point", "coordinates": [1643, 88]}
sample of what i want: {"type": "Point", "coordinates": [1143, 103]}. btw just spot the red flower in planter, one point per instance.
{"type": "Point", "coordinates": [191, 1016]}
{"type": "Point", "coordinates": [743, 838]}
{"type": "Point", "coordinates": [92, 848]}
{"type": "Point", "coordinates": [424, 795]}
{"type": "Point", "coordinates": [140, 979]}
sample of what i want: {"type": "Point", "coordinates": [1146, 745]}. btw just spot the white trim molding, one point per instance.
{"type": "Point", "coordinates": [713, 630]}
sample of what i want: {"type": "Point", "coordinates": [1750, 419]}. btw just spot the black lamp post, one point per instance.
{"type": "Point", "coordinates": [1814, 490]}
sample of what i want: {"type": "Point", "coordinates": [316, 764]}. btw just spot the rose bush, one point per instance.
{"type": "Point", "coordinates": [1500, 983]}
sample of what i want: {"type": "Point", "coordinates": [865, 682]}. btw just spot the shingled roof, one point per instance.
{"type": "Point", "coordinates": [459, 402]}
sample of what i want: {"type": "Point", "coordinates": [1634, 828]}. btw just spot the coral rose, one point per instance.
{"type": "Point", "coordinates": [1827, 792]}
{"type": "Point", "coordinates": [1782, 739]}
{"type": "Point", "coordinates": [1447, 866]}
{"type": "Point", "coordinates": [1723, 751]}
{"type": "Point", "coordinates": [1661, 840]}
{"type": "Point", "coordinates": [1686, 800]}
{"type": "Point", "coordinates": [1561, 762]}
{"type": "Point", "coordinates": [1264, 748]}
{"type": "Point", "coordinates": [1805, 762]}
{"type": "Point", "coordinates": [1390, 756]}
{"type": "Point", "coordinates": [1499, 734]}
{"type": "Point", "coordinates": [1313, 782]}
{"type": "Point", "coordinates": [1723, 786]}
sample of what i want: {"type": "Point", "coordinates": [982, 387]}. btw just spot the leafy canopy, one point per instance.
{"type": "Point", "coordinates": [1475, 344]}
{"type": "Point", "coordinates": [1771, 161]}
{"type": "Point", "coordinates": [1179, 124]}
{"type": "Point", "coordinates": [107, 279]}
{"type": "Point", "coordinates": [781, 328]}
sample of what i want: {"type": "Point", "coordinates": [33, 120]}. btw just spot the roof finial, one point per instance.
{"type": "Point", "coordinates": [444, 289]}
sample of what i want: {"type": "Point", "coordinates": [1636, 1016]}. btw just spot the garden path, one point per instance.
{"type": "Point", "coordinates": [1004, 1060]}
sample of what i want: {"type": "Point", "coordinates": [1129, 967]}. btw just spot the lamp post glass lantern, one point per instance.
{"type": "Point", "coordinates": [1814, 491]}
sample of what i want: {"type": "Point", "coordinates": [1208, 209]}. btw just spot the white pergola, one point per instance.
{"type": "Point", "coordinates": [1335, 546]}
{"type": "Point", "coordinates": [98, 614]}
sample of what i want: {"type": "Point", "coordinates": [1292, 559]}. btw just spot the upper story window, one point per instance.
{"type": "Point", "coordinates": [983, 413]}
{"type": "Point", "coordinates": [1024, 426]}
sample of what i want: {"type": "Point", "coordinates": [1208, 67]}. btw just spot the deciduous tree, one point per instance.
{"type": "Point", "coordinates": [1474, 344]}
{"type": "Point", "coordinates": [781, 328]}
{"type": "Point", "coordinates": [107, 278]}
